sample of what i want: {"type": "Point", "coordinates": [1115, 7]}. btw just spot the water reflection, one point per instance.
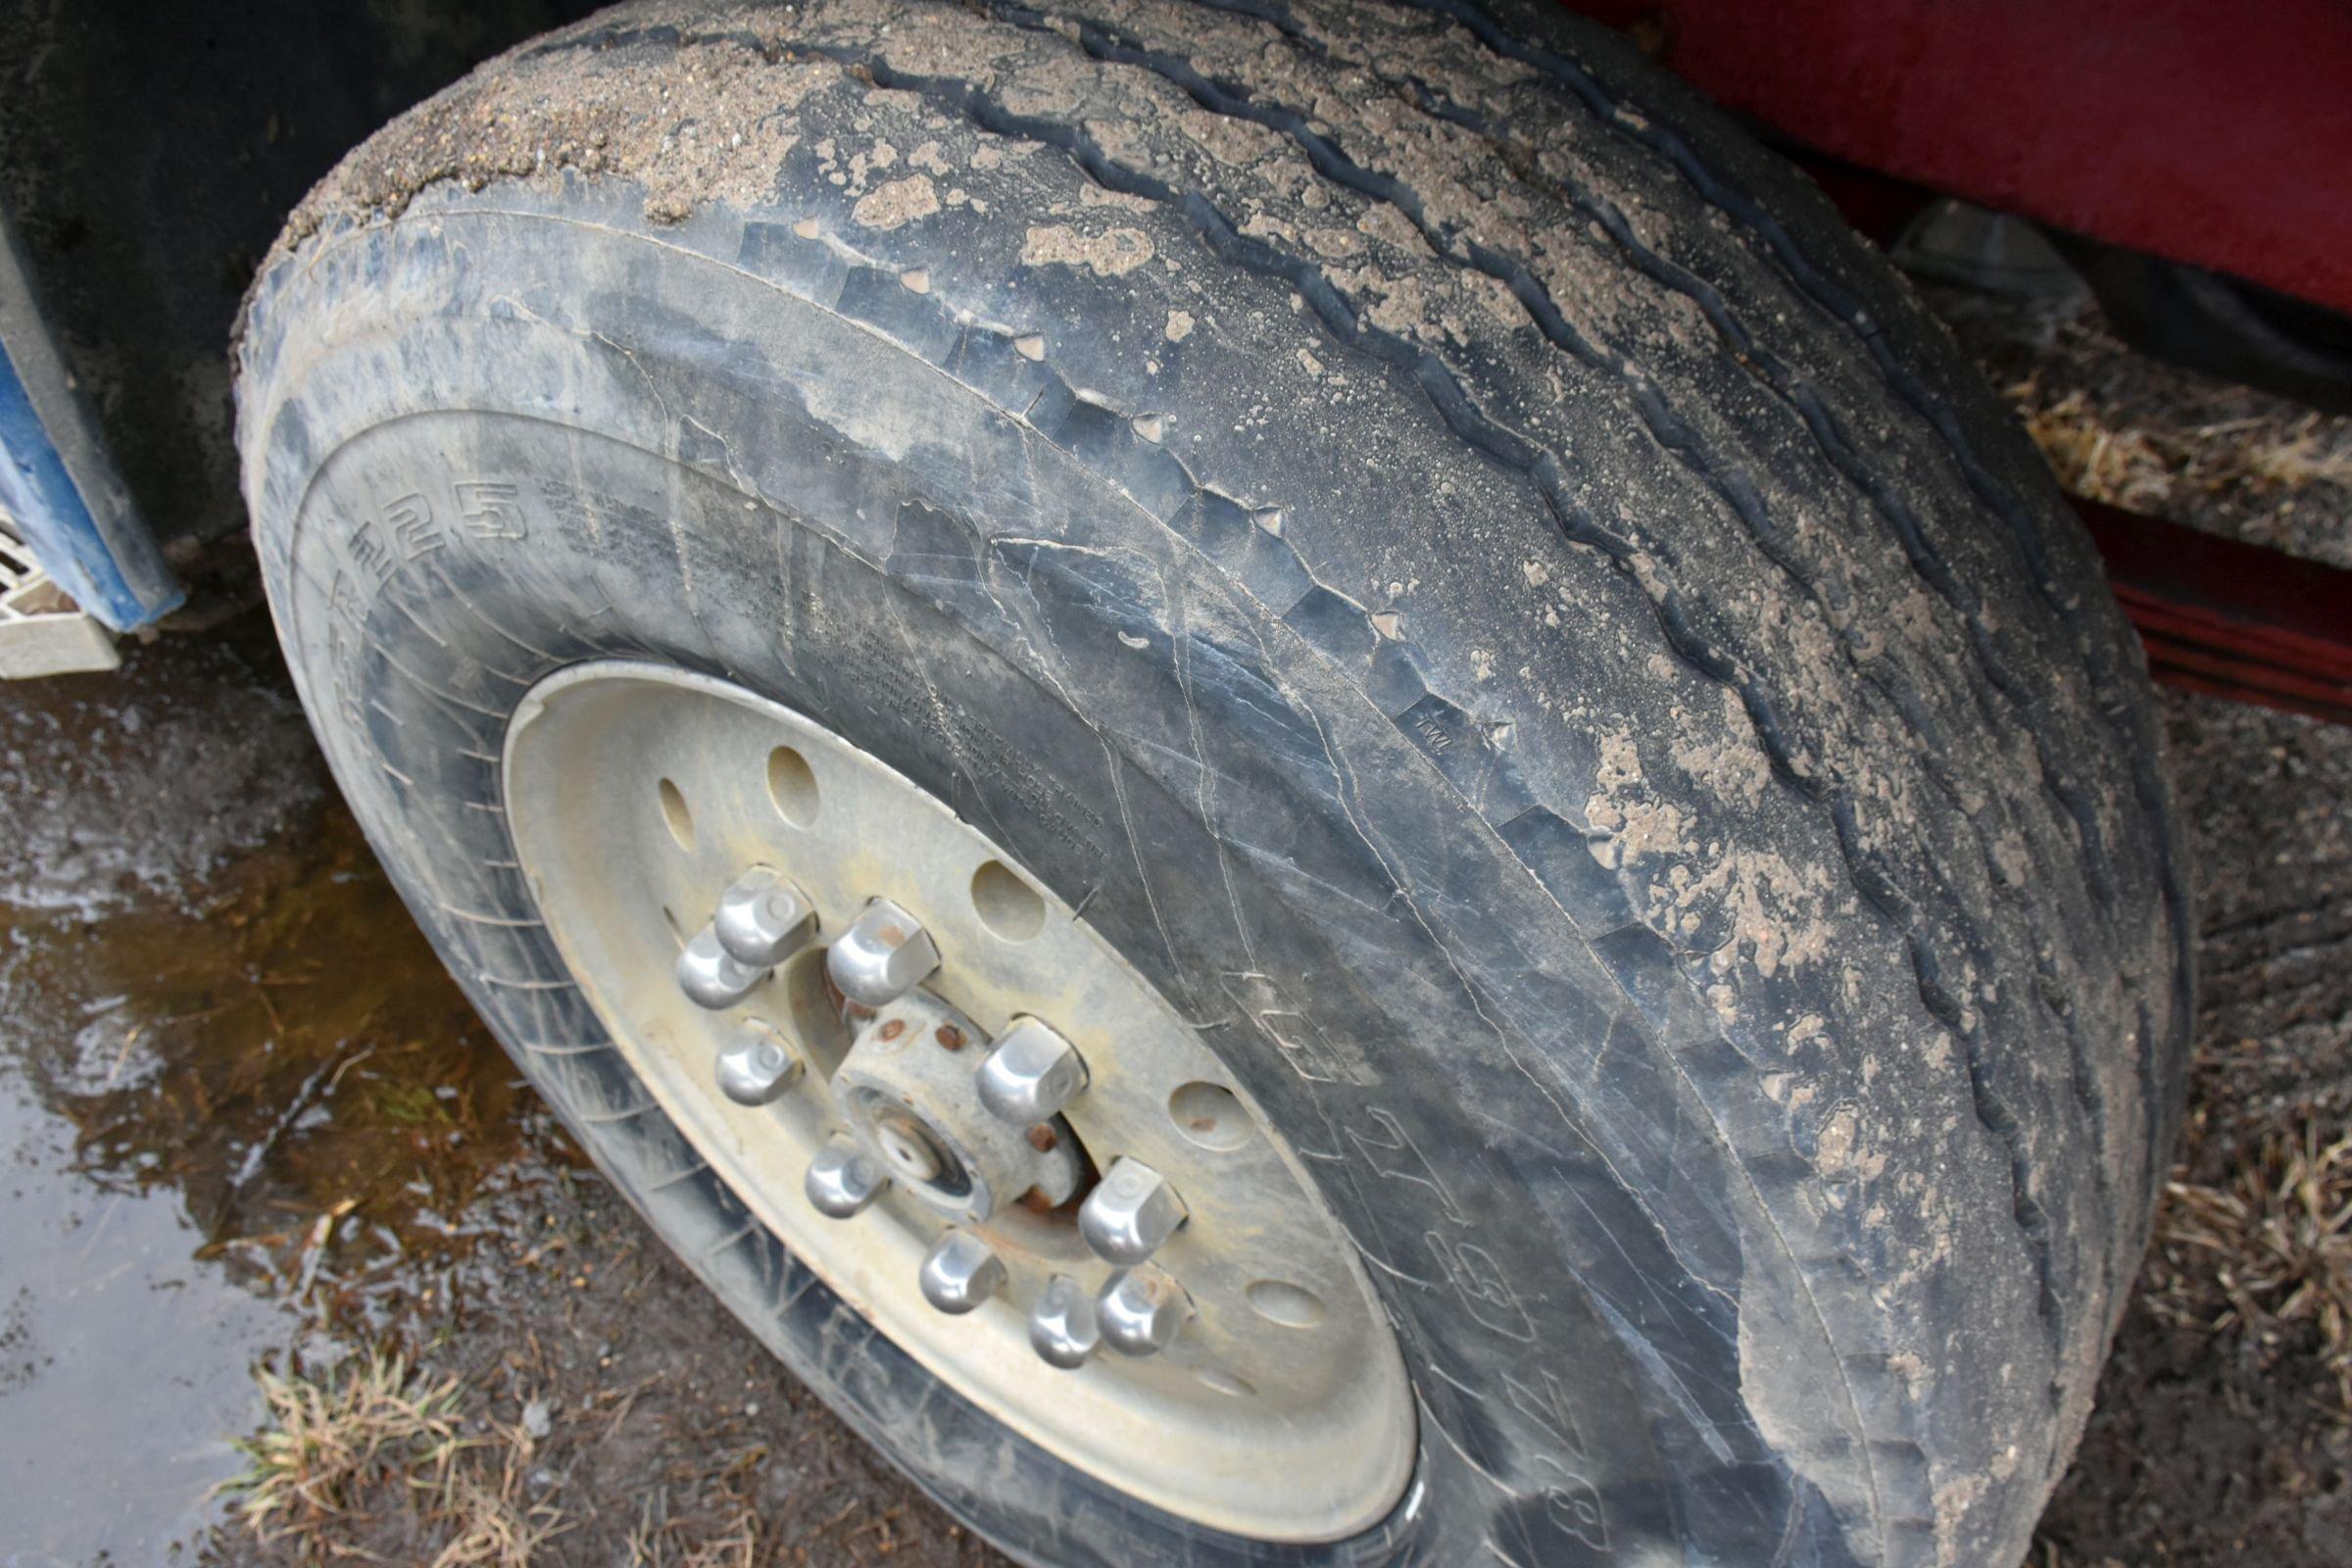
{"type": "Point", "coordinates": [248, 1112]}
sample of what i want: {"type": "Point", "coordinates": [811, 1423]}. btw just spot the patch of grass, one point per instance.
{"type": "Point", "coordinates": [2120, 466]}
{"type": "Point", "coordinates": [711, 1522]}
{"type": "Point", "coordinates": [411, 1106]}
{"type": "Point", "coordinates": [735, 1543]}
{"type": "Point", "coordinates": [2268, 1254]}
{"type": "Point", "coordinates": [2303, 453]}
{"type": "Point", "coordinates": [492, 1524]}
{"type": "Point", "coordinates": [2107, 457]}
{"type": "Point", "coordinates": [326, 1442]}
{"type": "Point", "coordinates": [376, 1456]}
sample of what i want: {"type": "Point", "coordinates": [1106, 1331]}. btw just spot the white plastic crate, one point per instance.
{"type": "Point", "coordinates": [43, 631]}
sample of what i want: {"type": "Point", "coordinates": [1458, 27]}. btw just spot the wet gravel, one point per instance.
{"type": "Point", "coordinates": [252, 1123]}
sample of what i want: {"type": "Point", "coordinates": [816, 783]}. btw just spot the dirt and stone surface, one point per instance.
{"type": "Point", "coordinates": [278, 1214]}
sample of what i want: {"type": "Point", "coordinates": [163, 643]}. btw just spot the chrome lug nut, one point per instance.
{"type": "Point", "coordinates": [960, 1272]}
{"type": "Point", "coordinates": [1130, 1212]}
{"type": "Point", "coordinates": [885, 953]}
{"type": "Point", "coordinates": [1142, 1310]}
{"type": "Point", "coordinates": [757, 1066]}
{"type": "Point", "coordinates": [1030, 1074]}
{"type": "Point", "coordinates": [711, 976]}
{"type": "Point", "coordinates": [843, 1179]}
{"type": "Point", "coordinates": [1061, 1327]}
{"type": "Point", "coordinates": [764, 920]}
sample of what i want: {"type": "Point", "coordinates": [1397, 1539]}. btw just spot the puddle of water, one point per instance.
{"type": "Point", "coordinates": [250, 1115]}
{"type": "Point", "coordinates": [121, 1361]}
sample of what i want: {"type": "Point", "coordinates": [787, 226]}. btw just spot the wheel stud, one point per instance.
{"type": "Point", "coordinates": [1141, 1311]}
{"type": "Point", "coordinates": [841, 1179]}
{"type": "Point", "coordinates": [757, 1066]}
{"type": "Point", "coordinates": [711, 976]}
{"type": "Point", "coordinates": [1130, 1212]}
{"type": "Point", "coordinates": [764, 920]}
{"type": "Point", "coordinates": [1061, 1327]}
{"type": "Point", "coordinates": [960, 1272]}
{"type": "Point", "coordinates": [885, 953]}
{"type": "Point", "coordinates": [1030, 1075]}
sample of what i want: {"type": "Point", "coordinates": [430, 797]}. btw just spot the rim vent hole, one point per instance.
{"type": "Point", "coordinates": [1011, 909]}
{"type": "Point", "coordinates": [792, 784]}
{"type": "Point", "coordinates": [678, 816]}
{"type": "Point", "coordinates": [1210, 1115]}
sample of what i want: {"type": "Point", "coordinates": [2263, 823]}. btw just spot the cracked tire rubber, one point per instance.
{"type": "Point", "coordinates": [1488, 594]}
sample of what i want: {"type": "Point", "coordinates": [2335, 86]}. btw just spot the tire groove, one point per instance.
{"type": "Point", "coordinates": [2131, 723]}
{"type": "Point", "coordinates": [1740, 498]}
{"type": "Point", "coordinates": [1837, 448]}
{"type": "Point", "coordinates": [1747, 354]}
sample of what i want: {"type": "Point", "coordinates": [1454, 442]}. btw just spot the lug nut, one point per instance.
{"type": "Point", "coordinates": [960, 1272]}
{"type": "Point", "coordinates": [885, 953]}
{"type": "Point", "coordinates": [1130, 1212]}
{"type": "Point", "coordinates": [711, 976]}
{"type": "Point", "coordinates": [764, 920]}
{"type": "Point", "coordinates": [1061, 1327]}
{"type": "Point", "coordinates": [1141, 1311]}
{"type": "Point", "coordinates": [1030, 1075]}
{"type": "Point", "coordinates": [757, 1066]}
{"type": "Point", "coordinates": [841, 1179]}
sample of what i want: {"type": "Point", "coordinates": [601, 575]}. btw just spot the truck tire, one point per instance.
{"type": "Point", "coordinates": [1444, 563]}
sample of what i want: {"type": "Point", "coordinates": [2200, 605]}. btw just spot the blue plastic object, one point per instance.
{"type": "Point", "coordinates": [54, 517]}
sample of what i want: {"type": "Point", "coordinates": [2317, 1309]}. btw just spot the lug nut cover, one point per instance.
{"type": "Point", "coordinates": [757, 1065]}
{"type": "Point", "coordinates": [1130, 1212]}
{"type": "Point", "coordinates": [883, 954]}
{"type": "Point", "coordinates": [1030, 1074]}
{"type": "Point", "coordinates": [843, 1179]}
{"type": "Point", "coordinates": [1061, 1326]}
{"type": "Point", "coordinates": [960, 1272]}
{"type": "Point", "coordinates": [764, 920]}
{"type": "Point", "coordinates": [713, 977]}
{"type": "Point", "coordinates": [1142, 1310]}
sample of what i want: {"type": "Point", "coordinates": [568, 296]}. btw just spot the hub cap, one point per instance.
{"type": "Point", "coordinates": [956, 1102]}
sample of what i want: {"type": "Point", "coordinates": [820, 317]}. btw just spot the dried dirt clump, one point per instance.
{"type": "Point", "coordinates": [897, 204]}
{"type": "Point", "coordinates": [1112, 253]}
{"type": "Point", "coordinates": [710, 120]}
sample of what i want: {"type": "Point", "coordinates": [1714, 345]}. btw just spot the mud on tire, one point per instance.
{"type": "Point", "coordinates": [1484, 591]}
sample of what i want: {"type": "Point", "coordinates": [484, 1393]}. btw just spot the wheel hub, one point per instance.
{"type": "Point", "coordinates": [958, 1103]}
{"type": "Point", "coordinates": [907, 1090]}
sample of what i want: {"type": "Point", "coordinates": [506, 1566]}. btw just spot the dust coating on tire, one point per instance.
{"type": "Point", "coordinates": [1483, 591]}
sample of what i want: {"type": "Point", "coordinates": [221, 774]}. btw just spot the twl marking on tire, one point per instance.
{"type": "Point", "coordinates": [1391, 1152]}
{"type": "Point", "coordinates": [1477, 1279]}
{"type": "Point", "coordinates": [1311, 1052]}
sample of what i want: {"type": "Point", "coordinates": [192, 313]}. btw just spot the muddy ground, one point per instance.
{"type": "Point", "coordinates": [256, 1128]}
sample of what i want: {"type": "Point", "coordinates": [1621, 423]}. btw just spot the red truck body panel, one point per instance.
{"type": "Point", "coordinates": [2210, 133]}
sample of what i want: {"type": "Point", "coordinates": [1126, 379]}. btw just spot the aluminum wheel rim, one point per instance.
{"type": "Point", "coordinates": [637, 795]}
